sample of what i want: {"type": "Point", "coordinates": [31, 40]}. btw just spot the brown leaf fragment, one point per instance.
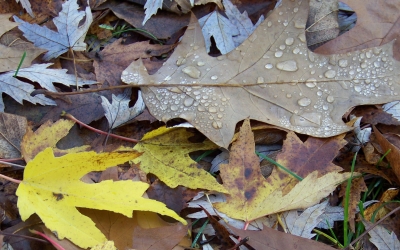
{"type": "Point", "coordinates": [12, 129]}
{"type": "Point", "coordinates": [386, 144]}
{"type": "Point", "coordinates": [174, 198]}
{"type": "Point", "coordinates": [377, 24]}
{"type": "Point", "coordinates": [370, 155]}
{"type": "Point", "coordinates": [113, 59]}
{"type": "Point", "coordinates": [387, 196]}
{"type": "Point", "coordinates": [322, 23]}
{"type": "Point", "coordinates": [86, 108]}
{"type": "Point", "coordinates": [375, 115]}
{"type": "Point", "coordinates": [357, 186]}
{"type": "Point", "coordinates": [270, 239]}
{"type": "Point", "coordinates": [220, 231]}
{"type": "Point", "coordinates": [302, 158]}
{"type": "Point", "coordinates": [160, 238]}
{"type": "Point", "coordinates": [161, 25]}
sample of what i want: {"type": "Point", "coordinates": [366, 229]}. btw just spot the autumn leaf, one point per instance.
{"type": "Point", "coordinates": [271, 77]}
{"type": "Point", "coordinates": [47, 136]}
{"type": "Point", "coordinates": [12, 129]}
{"type": "Point", "coordinates": [166, 155]}
{"type": "Point", "coordinates": [69, 36]}
{"type": "Point", "coordinates": [10, 56]}
{"type": "Point", "coordinates": [51, 188]}
{"type": "Point", "coordinates": [381, 238]}
{"type": "Point", "coordinates": [251, 196]}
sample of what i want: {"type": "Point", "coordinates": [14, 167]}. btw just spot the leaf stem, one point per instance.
{"type": "Point", "coordinates": [53, 242]}
{"type": "Point", "coordinates": [2, 161]}
{"type": "Point", "coordinates": [10, 179]}
{"type": "Point", "coordinates": [71, 117]}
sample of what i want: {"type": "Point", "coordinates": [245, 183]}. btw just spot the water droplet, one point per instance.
{"type": "Point", "coordinates": [278, 54]}
{"type": "Point", "coordinates": [304, 102]}
{"type": "Point", "coordinates": [289, 41]}
{"type": "Point", "coordinates": [269, 66]}
{"type": "Point", "coordinates": [325, 107]}
{"type": "Point", "coordinates": [260, 79]}
{"type": "Point", "coordinates": [214, 77]}
{"type": "Point", "coordinates": [363, 65]}
{"type": "Point", "coordinates": [295, 10]}
{"type": "Point", "coordinates": [368, 54]}
{"type": "Point", "coordinates": [288, 95]}
{"type": "Point", "coordinates": [269, 23]}
{"type": "Point", "coordinates": [282, 47]}
{"type": "Point", "coordinates": [299, 24]}
{"type": "Point", "coordinates": [343, 63]}
{"type": "Point", "coordinates": [287, 66]}
{"type": "Point", "coordinates": [311, 56]}
{"type": "Point", "coordinates": [188, 102]}
{"type": "Point", "coordinates": [311, 84]}
{"type": "Point", "coordinates": [201, 108]}
{"type": "Point", "coordinates": [330, 73]}
{"type": "Point", "coordinates": [212, 109]}
{"type": "Point", "coordinates": [306, 119]}
{"type": "Point", "coordinates": [217, 124]}
{"type": "Point", "coordinates": [319, 93]}
{"type": "Point", "coordinates": [201, 64]}
{"type": "Point", "coordinates": [330, 98]}
{"type": "Point", "coordinates": [302, 37]}
{"type": "Point", "coordinates": [196, 92]}
{"type": "Point", "coordinates": [174, 108]}
{"type": "Point", "coordinates": [187, 116]}
{"type": "Point", "coordinates": [296, 51]}
{"type": "Point", "coordinates": [124, 73]}
{"type": "Point", "coordinates": [357, 88]}
{"type": "Point", "coordinates": [377, 64]}
{"type": "Point", "coordinates": [191, 71]}
{"type": "Point", "coordinates": [180, 61]}
{"type": "Point", "coordinates": [175, 90]}
{"type": "Point", "coordinates": [167, 78]}
{"type": "Point", "coordinates": [220, 58]}
{"type": "Point", "coordinates": [280, 13]}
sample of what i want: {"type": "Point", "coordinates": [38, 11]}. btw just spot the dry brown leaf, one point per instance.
{"type": "Point", "coordinates": [303, 158]}
{"type": "Point", "coordinates": [322, 22]}
{"type": "Point", "coordinates": [12, 129]}
{"type": "Point", "coordinates": [251, 196]}
{"type": "Point", "coordinates": [270, 239]}
{"type": "Point", "coordinates": [387, 196]}
{"type": "Point", "coordinates": [394, 155]}
{"type": "Point", "coordinates": [271, 77]}
{"type": "Point", "coordinates": [377, 24]}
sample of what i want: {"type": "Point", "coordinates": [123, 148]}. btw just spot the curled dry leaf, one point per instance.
{"type": "Point", "coordinates": [271, 77]}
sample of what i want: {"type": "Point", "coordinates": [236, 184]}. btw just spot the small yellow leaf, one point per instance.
{"type": "Point", "coordinates": [46, 136]}
{"type": "Point", "coordinates": [166, 155]}
{"type": "Point", "coordinates": [251, 196]}
{"type": "Point", "coordinates": [52, 189]}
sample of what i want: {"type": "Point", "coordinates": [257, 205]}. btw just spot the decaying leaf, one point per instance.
{"type": "Point", "coordinates": [381, 238]}
{"type": "Point", "coordinates": [69, 36]}
{"type": "Point", "coordinates": [51, 190]}
{"type": "Point", "coordinates": [166, 155]}
{"type": "Point", "coordinates": [302, 225]}
{"type": "Point", "coordinates": [387, 196]}
{"type": "Point", "coordinates": [12, 129]}
{"type": "Point", "coordinates": [271, 77]}
{"type": "Point", "coordinates": [394, 155]}
{"type": "Point", "coordinates": [119, 112]}
{"type": "Point", "coordinates": [10, 57]}
{"type": "Point", "coordinates": [251, 196]}
{"type": "Point", "coordinates": [39, 73]}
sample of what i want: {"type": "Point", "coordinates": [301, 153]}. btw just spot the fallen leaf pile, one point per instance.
{"type": "Point", "coordinates": [199, 124]}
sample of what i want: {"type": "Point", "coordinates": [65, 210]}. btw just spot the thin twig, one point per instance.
{"type": "Point", "coordinates": [11, 164]}
{"type": "Point", "coordinates": [23, 236]}
{"type": "Point", "coordinates": [71, 117]}
{"type": "Point", "coordinates": [372, 227]}
{"type": "Point", "coordinates": [10, 179]}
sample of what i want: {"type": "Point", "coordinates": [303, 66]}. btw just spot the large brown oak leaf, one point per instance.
{"type": "Point", "coordinates": [272, 77]}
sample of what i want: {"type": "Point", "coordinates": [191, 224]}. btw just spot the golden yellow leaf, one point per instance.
{"type": "Point", "coordinates": [251, 196]}
{"type": "Point", "coordinates": [166, 155]}
{"type": "Point", "coordinates": [46, 136]}
{"type": "Point", "coordinates": [52, 189]}
{"type": "Point", "coordinates": [108, 245]}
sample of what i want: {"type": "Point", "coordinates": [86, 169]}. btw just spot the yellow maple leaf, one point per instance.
{"type": "Point", "coordinates": [251, 196]}
{"type": "Point", "coordinates": [47, 136]}
{"type": "Point", "coordinates": [52, 189]}
{"type": "Point", "coordinates": [166, 155]}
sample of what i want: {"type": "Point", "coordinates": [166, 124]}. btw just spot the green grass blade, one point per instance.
{"type": "Point", "coordinates": [20, 63]}
{"type": "Point", "coordinates": [280, 166]}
